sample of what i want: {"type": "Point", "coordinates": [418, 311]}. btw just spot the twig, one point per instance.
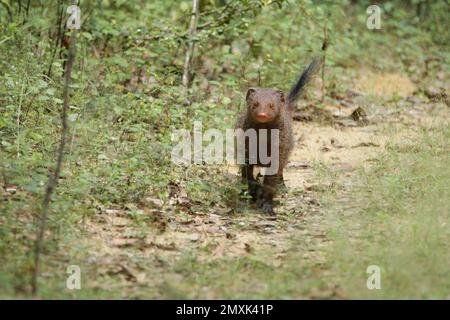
{"type": "Point", "coordinates": [53, 179]}
{"type": "Point", "coordinates": [28, 7]}
{"type": "Point", "coordinates": [27, 11]}
{"type": "Point", "coordinates": [5, 179]}
{"type": "Point", "coordinates": [59, 36]}
{"type": "Point", "coordinates": [190, 50]}
{"type": "Point", "coordinates": [8, 9]}
{"type": "Point", "coordinates": [19, 111]}
{"type": "Point", "coordinates": [324, 49]}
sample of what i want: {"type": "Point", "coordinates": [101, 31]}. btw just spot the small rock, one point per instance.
{"type": "Point", "coordinates": [141, 277]}
{"type": "Point", "coordinates": [194, 237]}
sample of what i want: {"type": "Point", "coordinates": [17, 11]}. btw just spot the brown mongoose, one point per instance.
{"type": "Point", "coordinates": [269, 109]}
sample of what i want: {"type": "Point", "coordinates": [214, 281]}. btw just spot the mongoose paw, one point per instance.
{"type": "Point", "coordinates": [268, 208]}
{"type": "Point", "coordinates": [253, 190]}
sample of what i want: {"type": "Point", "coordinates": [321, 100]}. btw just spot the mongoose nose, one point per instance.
{"type": "Point", "coordinates": [262, 115]}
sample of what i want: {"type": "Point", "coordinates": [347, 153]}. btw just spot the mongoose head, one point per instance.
{"type": "Point", "coordinates": [264, 105]}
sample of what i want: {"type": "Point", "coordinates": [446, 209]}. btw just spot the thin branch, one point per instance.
{"type": "Point", "coordinates": [190, 50]}
{"type": "Point", "coordinates": [324, 49]}
{"type": "Point", "coordinates": [53, 179]}
{"type": "Point", "coordinates": [28, 7]}
{"type": "Point", "coordinates": [60, 15]}
{"type": "Point", "coordinates": [19, 8]}
{"type": "Point", "coordinates": [8, 9]}
{"type": "Point", "coordinates": [27, 11]}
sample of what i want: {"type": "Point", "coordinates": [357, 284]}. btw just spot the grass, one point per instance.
{"type": "Point", "coordinates": [398, 221]}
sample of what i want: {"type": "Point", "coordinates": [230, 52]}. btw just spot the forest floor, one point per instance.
{"type": "Point", "coordinates": [344, 166]}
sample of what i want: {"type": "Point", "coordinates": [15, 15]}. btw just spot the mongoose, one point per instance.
{"type": "Point", "coordinates": [270, 109]}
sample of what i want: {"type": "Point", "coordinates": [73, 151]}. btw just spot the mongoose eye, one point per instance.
{"type": "Point", "coordinates": [255, 105]}
{"type": "Point", "coordinates": [272, 107]}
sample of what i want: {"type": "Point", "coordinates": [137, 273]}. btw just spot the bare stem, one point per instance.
{"type": "Point", "coordinates": [190, 50]}
{"type": "Point", "coordinates": [324, 49]}
{"type": "Point", "coordinates": [53, 178]}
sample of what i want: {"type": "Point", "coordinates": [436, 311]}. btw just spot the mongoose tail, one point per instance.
{"type": "Point", "coordinates": [302, 81]}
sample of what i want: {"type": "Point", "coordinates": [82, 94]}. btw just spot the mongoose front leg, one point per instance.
{"type": "Point", "coordinates": [269, 187]}
{"type": "Point", "coordinates": [247, 175]}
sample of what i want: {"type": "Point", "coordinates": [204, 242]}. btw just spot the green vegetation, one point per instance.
{"type": "Point", "coordinates": [398, 219]}
{"type": "Point", "coordinates": [127, 99]}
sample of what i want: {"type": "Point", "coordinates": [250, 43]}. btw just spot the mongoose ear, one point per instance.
{"type": "Point", "coordinates": [280, 95]}
{"type": "Point", "coordinates": [250, 93]}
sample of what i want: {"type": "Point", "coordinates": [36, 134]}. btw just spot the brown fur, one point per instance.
{"type": "Point", "coordinates": [272, 103]}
